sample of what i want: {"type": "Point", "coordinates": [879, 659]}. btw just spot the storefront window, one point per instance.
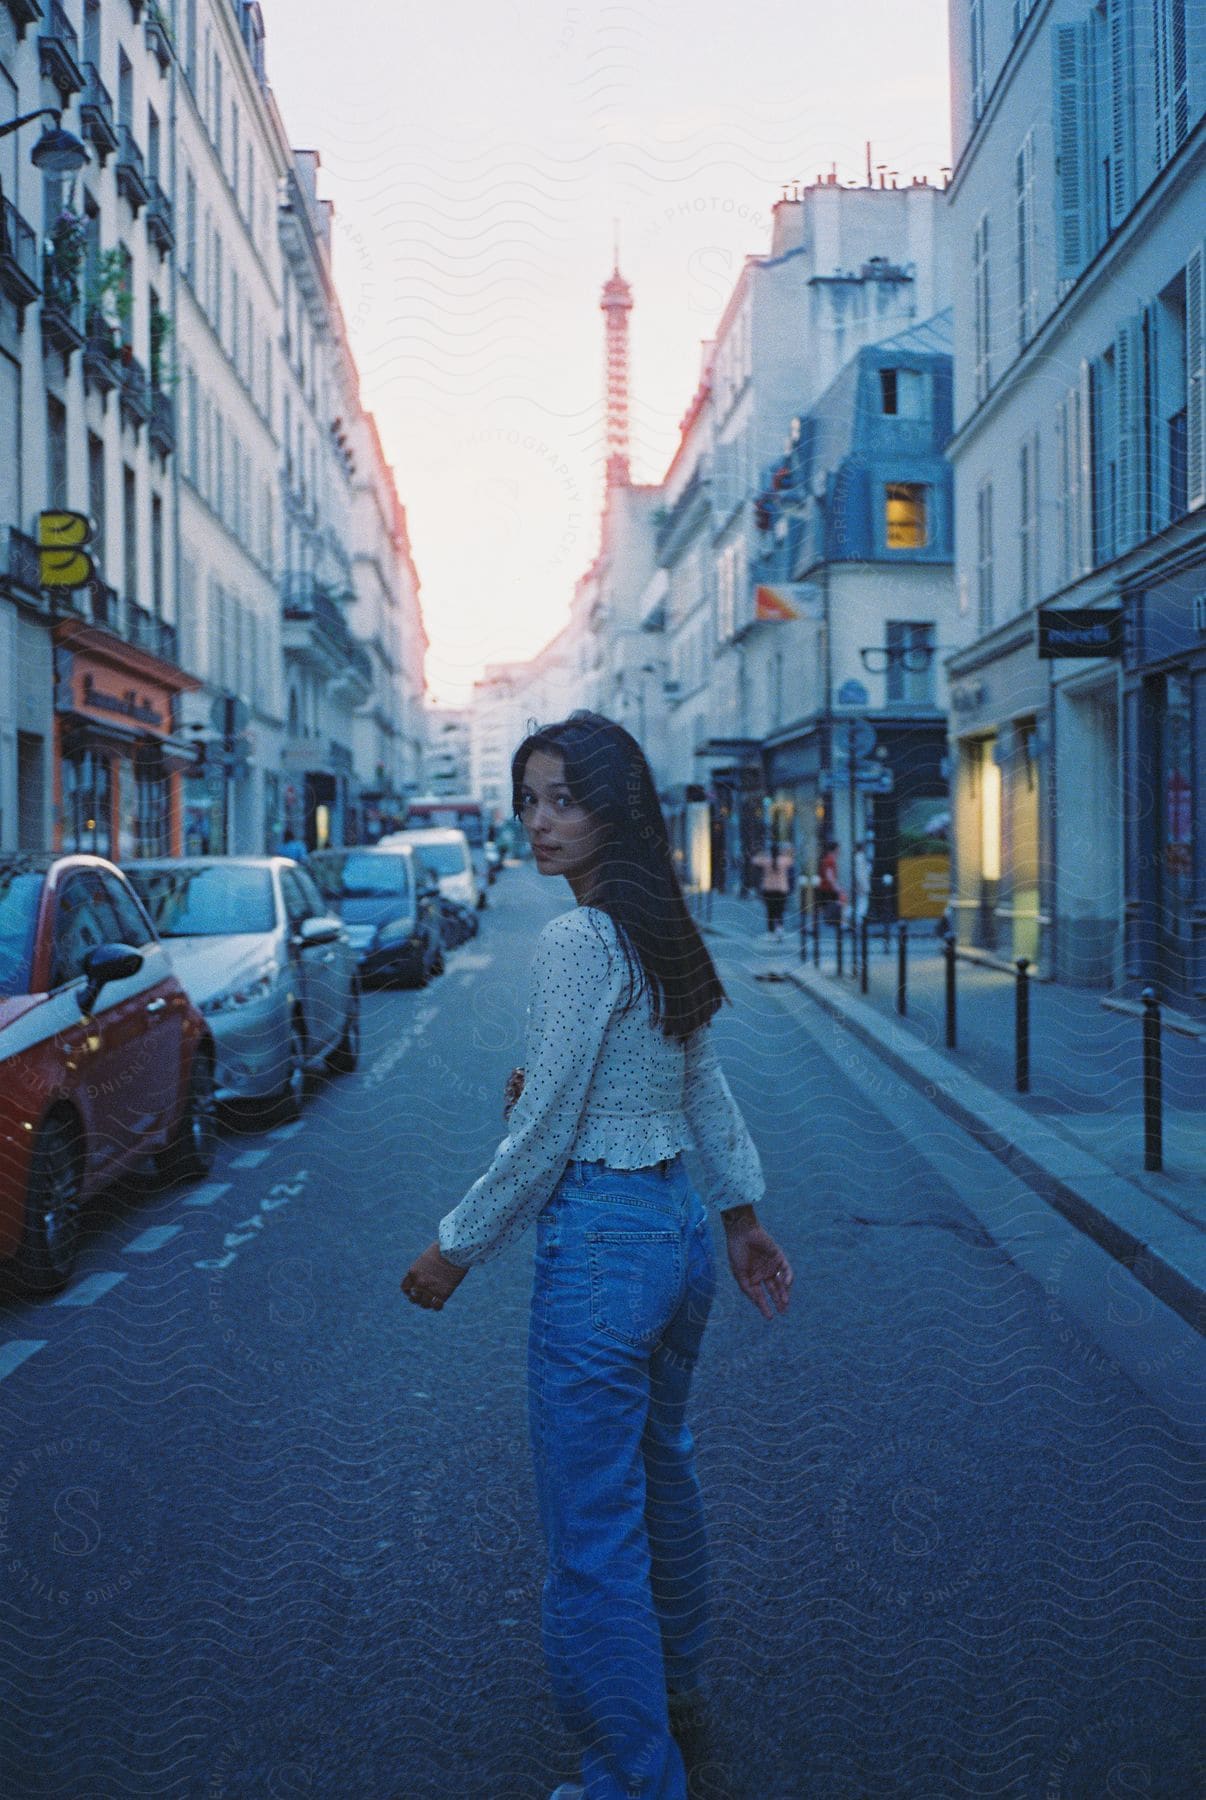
{"type": "Point", "coordinates": [1176, 834]}
{"type": "Point", "coordinates": [154, 806]}
{"type": "Point", "coordinates": [87, 803]}
{"type": "Point", "coordinates": [127, 809]}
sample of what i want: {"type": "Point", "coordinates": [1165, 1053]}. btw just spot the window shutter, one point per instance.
{"type": "Point", "coordinates": [977, 57]}
{"type": "Point", "coordinates": [1172, 94]}
{"type": "Point", "coordinates": [1027, 292]}
{"type": "Point", "coordinates": [1127, 425]}
{"type": "Point", "coordinates": [1195, 378]}
{"type": "Point", "coordinates": [1073, 164]}
{"type": "Point", "coordinates": [1085, 474]}
{"type": "Point", "coordinates": [981, 308]}
{"type": "Point", "coordinates": [1154, 429]}
{"type": "Point", "coordinates": [1122, 112]}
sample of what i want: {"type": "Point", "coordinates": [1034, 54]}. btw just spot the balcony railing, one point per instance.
{"type": "Point", "coordinates": [59, 50]}
{"type": "Point", "coordinates": [96, 114]}
{"type": "Point", "coordinates": [18, 257]}
{"type": "Point", "coordinates": [101, 352]}
{"type": "Point", "coordinates": [303, 597]}
{"type": "Point", "coordinates": [24, 13]}
{"type": "Point", "coordinates": [62, 309]}
{"type": "Point", "coordinates": [135, 393]}
{"type": "Point", "coordinates": [161, 219]}
{"type": "Point", "coordinates": [163, 422]}
{"type": "Point", "coordinates": [159, 42]}
{"type": "Point", "coordinates": [131, 170]}
{"type": "Point", "coordinates": [20, 566]}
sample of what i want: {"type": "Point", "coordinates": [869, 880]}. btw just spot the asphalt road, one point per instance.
{"type": "Point", "coordinates": [266, 1529]}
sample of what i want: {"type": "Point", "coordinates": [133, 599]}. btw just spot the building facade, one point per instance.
{"type": "Point", "coordinates": [1080, 466]}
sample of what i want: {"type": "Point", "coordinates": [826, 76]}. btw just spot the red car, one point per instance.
{"type": "Point", "coordinates": [103, 1057]}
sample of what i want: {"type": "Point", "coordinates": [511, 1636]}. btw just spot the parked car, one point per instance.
{"type": "Point", "coordinates": [388, 900]}
{"type": "Point", "coordinates": [268, 964]}
{"type": "Point", "coordinates": [104, 1059]}
{"type": "Point", "coordinates": [447, 850]}
{"type": "Point", "coordinates": [458, 922]}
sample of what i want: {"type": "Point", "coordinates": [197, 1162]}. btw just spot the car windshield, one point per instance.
{"type": "Point", "coordinates": [205, 899]}
{"type": "Point", "coordinates": [365, 876]}
{"type": "Point", "coordinates": [20, 892]}
{"type": "Point", "coordinates": [445, 859]}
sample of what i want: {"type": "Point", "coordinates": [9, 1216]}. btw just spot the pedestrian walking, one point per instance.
{"type": "Point", "coordinates": [829, 892]}
{"type": "Point", "coordinates": [294, 847]}
{"type": "Point", "coordinates": [620, 1077]}
{"type": "Point", "coordinates": [776, 869]}
{"type": "Point", "coordinates": [862, 881]}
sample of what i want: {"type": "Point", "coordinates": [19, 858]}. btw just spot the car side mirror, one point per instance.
{"type": "Point", "coordinates": [105, 963]}
{"type": "Point", "coordinates": [317, 931]}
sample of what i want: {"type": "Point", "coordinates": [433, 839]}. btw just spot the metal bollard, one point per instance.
{"type": "Point", "coordinates": [902, 967]}
{"type": "Point", "coordinates": [816, 931]}
{"type": "Point", "coordinates": [837, 939]}
{"type": "Point", "coordinates": [866, 945]}
{"type": "Point", "coordinates": [949, 953]}
{"type": "Point", "coordinates": [1153, 1097]}
{"type": "Point", "coordinates": [1021, 1078]}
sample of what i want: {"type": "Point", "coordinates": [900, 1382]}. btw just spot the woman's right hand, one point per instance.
{"type": "Point", "coordinates": [759, 1266]}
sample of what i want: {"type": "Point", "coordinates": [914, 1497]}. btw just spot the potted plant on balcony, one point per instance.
{"type": "Point", "coordinates": [109, 302]}
{"type": "Point", "coordinates": [66, 246]}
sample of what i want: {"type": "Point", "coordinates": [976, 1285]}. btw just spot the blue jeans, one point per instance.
{"type": "Point", "coordinates": [624, 1280]}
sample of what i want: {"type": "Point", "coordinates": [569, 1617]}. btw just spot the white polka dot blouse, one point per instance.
{"type": "Point", "coordinates": [601, 1083]}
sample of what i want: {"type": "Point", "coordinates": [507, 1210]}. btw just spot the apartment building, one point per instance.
{"type": "Point", "coordinates": [1080, 481]}
{"type": "Point", "coordinates": [91, 680]}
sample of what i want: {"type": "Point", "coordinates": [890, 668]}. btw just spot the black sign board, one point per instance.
{"type": "Point", "coordinates": [1079, 631]}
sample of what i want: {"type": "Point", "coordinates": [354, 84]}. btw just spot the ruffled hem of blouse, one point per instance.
{"type": "Point", "coordinates": [630, 1143]}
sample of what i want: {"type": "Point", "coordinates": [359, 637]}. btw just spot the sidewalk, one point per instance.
{"type": "Point", "coordinates": [1077, 1137]}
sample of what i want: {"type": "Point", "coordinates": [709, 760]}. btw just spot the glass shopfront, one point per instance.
{"type": "Point", "coordinates": [86, 806]}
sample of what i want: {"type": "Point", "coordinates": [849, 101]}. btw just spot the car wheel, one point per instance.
{"type": "Point", "coordinates": [194, 1143]}
{"type": "Point", "coordinates": [481, 901]}
{"type": "Point", "coordinates": [52, 1206]}
{"type": "Point", "coordinates": [346, 1054]}
{"type": "Point", "coordinates": [292, 1092]}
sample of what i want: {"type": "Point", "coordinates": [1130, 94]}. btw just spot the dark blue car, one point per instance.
{"type": "Point", "coordinates": [389, 902]}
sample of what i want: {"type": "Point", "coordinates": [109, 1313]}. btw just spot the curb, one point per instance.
{"type": "Point", "coordinates": [1113, 1211]}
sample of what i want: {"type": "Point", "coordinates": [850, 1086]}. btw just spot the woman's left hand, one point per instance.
{"type": "Point", "coordinates": [432, 1279]}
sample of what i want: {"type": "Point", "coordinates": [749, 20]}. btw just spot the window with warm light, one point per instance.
{"type": "Point", "coordinates": [905, 516]}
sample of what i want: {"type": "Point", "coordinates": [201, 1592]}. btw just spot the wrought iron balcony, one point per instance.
{"type": "Point", "coordinates": [101, 352]}
{"type": "Point", "coordinates": [59, 51]}
{"type": "Point", "coordinates": [62, 310]}
{"type": "Point", "coordinates": [102, 604]}
{"type": "Point", "coordinates": [96, 114]}
{"type": "Point", "coordinates": [328, 643]}
{"type": "Point", "coordinates": [135, 393]}
{"type": "Point", "coordinates": [159, 41]}
{"type": "Point", "coordinates": [161, 219]}
{"type": "Point", "coordinates": [20, 567]}
{"type": "Point", "coordinates": [163, 422]}
{"type": "Point", "coordinates": [136, 7]}
{"type": "Point", "coordinates": [24, 13]}
{"type": "Point", "coordinates": [131, 170]}
{"type": "Point", "coordinates": [18, 257]}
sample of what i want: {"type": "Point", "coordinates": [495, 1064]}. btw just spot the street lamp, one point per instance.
{"type": "Point", "coordinates": [57, 152]}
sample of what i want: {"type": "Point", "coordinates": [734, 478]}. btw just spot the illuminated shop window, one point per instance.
{"type": "Point", "coordinates": [905, 516]}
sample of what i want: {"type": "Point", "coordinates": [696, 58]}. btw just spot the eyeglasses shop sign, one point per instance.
{"type": "Point", "coordinates": [1086, 631]}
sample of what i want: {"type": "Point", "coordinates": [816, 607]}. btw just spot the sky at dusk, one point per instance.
{"type": "Point", "coordinates": [477, 158]}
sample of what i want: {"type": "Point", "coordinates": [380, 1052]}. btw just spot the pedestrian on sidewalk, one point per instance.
{"type": "Point", "coordinates": [862, 881]}
{"type": "Point", "coordinates": [830, 897]}
{"type": "Point", "coordinates": [775, 872]}
{"type": "Point", "coordinates": [620, 1077]}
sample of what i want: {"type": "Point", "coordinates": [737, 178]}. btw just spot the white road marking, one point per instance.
{"type": "Point", "coordinates": [205, 1196]}
{"type": "Point", "coordinates": [13, 1354]}
{"type": "Point", "coordinates": [388, 1061]}
{"type": "Point", "coordinates": [284, 1132]}
{"type": "Point", "coordinates": [251, 1159]}
{"type": "Point", "coordinates": [89, 1290]}
{"type": "Point", "coordinates": [153, 1239]}
{"type": "Point", "coordinates": [471, 962]}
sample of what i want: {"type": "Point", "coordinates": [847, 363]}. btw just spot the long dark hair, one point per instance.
{"type": "Point", "coordinates": [636, 883]}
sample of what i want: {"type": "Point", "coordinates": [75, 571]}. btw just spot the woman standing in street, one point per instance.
{"type": "Point", "coordinates": [620, 1077]}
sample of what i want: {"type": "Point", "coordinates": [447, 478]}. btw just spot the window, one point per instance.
{"type": "Point", "coordinates": [236, 149]}
{"type": "Point", "coordinates": [978, 82]}
{"type": "Point", "coordinates": [1028, 489]}
{"type": "Point", "coordinates": [96, 498]}
{"type": "Point", "coordinates": [215, 297]}
{"type": "Point", "coordinates": [1027, 247]}
{"type": "Point", "coordinates": [1172, 94]}
{"type": "Point", "coordinates": [191, 431]}
{"type": "Point", "coordinates": [190, 42]}
{"type": "Point", "coordinates": [80, 925]}
{"type": "Point", "coordinates": [129, 493]}
{"type": "Point", "coordinates": [215, 107]}
{"type": "Point", "coordinates": [190, 228]}
{"type": "Point", "coordinates": [125, 90]}
{"type": "Point", "coordinates": [1195, 379]}
{"type": "Point", "coordinates": [56, 452]}
{"type": "Point", "coordinates": [984, 598]}
{"type": "Point", "coordinates": [157, 555]}
{"type": "Point", "coordinates": [981, 310]}
{"type": "Point", "coordinates": [910, 663]}
{"type": "Point", "coordinates": [905, 526]}
{"type": "Point", "coordinates": [902, 393]}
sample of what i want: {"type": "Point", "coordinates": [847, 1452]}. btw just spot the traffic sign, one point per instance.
{"type": "Point", "coordinates": [869, 777]}
{"type": "Point", "coordinates": [856, 733]}
{"type": "Point", "coordinates": [853, 693]}
{"type": "Point", "coordinates": [238, 718]}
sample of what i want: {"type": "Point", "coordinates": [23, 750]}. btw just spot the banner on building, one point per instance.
{"type": "Point", "coordinates": [1079, 631]}
{"type": "Point", "coordinates": [62, 537]}
{"type": "Point", "coordinates": [787, 600]}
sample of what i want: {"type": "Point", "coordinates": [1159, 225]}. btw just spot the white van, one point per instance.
{"type": "Point", "coordinates": [447, 851]}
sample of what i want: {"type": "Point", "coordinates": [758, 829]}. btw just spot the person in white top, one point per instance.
{"type": "Point", "coordinates": [620, 1077]}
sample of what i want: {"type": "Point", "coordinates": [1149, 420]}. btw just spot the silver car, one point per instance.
{"type": "Point", "coordinates": [268, 964]}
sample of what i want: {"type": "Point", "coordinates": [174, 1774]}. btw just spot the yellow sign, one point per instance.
{"type": "Point", "coordinates": [923, 886]}
{"type": "Point", "coordinates": [65, 562]}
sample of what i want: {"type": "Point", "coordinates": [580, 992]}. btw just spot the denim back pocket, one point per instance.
{"type": "Point", "coordinates": [636, 1280]}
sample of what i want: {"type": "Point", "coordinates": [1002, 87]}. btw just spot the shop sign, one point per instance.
{"type": "Point", "coordinates": [62, 537]}
{"type": "Point", "coordinates": [130, 704]}
{"type": "Point", "coordinates": [1079, 631]}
